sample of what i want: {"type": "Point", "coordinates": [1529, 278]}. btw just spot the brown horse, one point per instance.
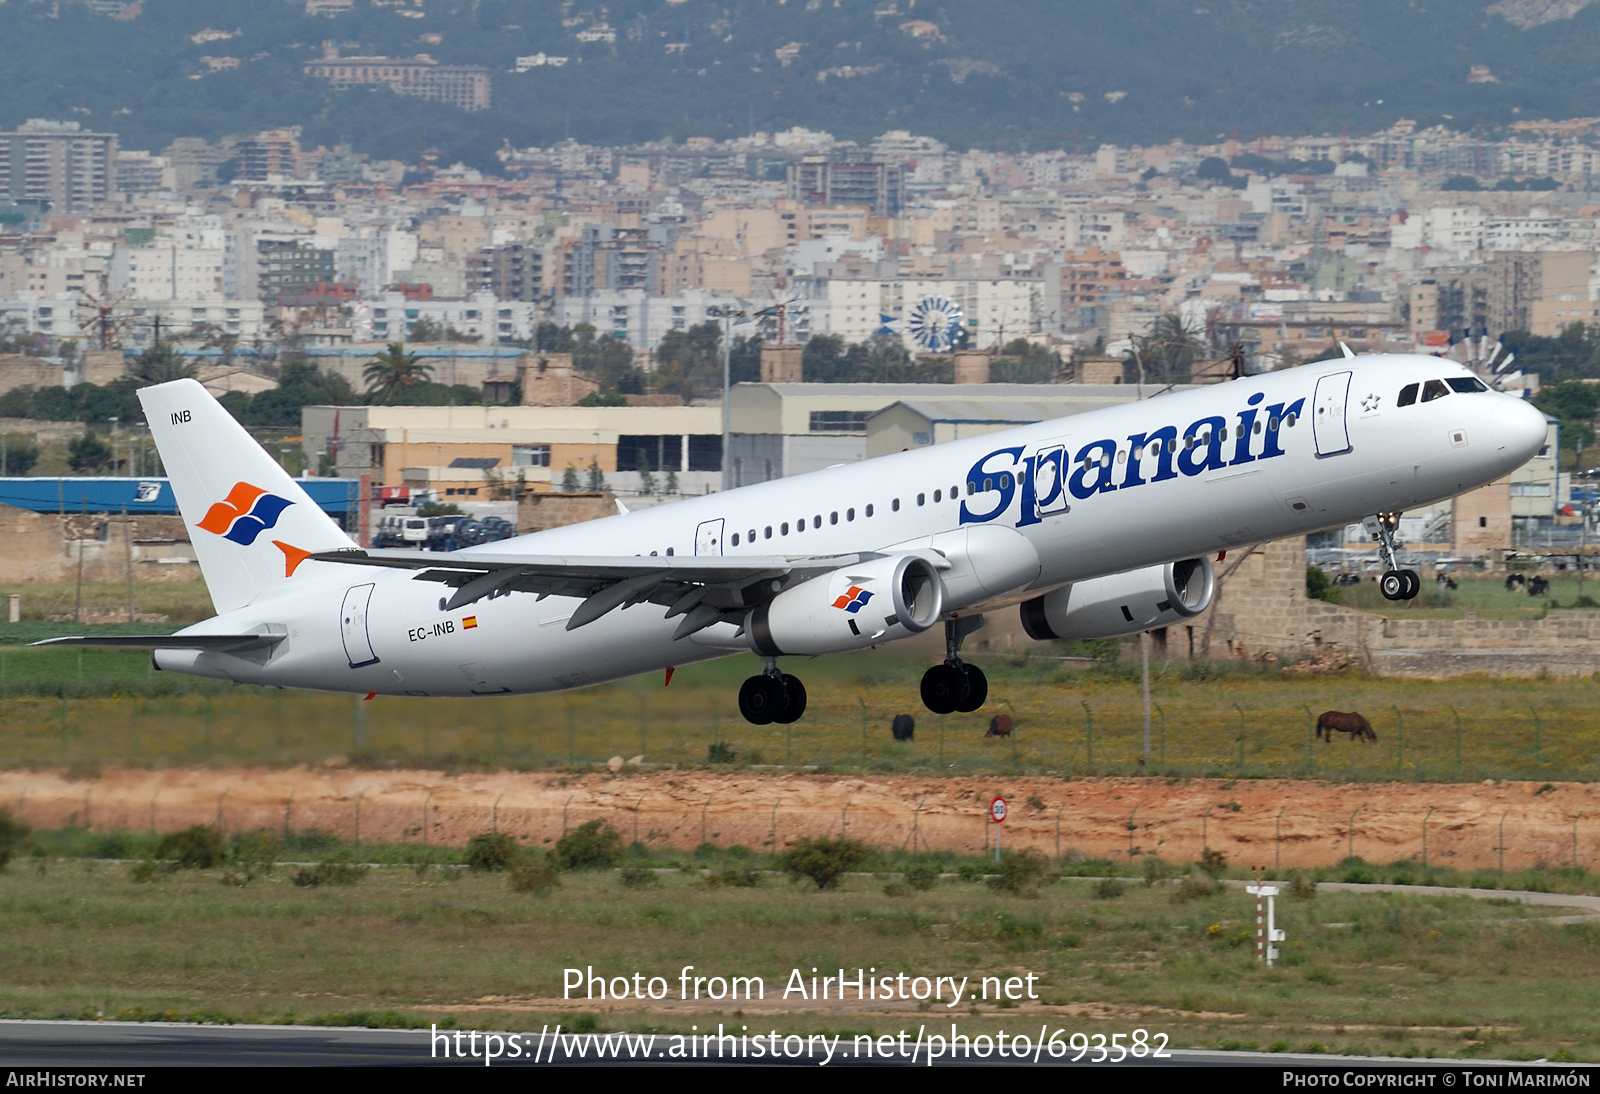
{"type": "Point", "coordinates": [1333, 721]}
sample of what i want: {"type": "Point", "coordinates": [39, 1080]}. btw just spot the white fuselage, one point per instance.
{"type": "Point", "coordinates": [1104, 492]}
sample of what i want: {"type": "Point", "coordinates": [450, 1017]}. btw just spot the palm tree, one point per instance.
{"type": "Point", "coordinates": [161, 363]}
{"type": "Point", "coordinates": [1169, 352]}
{"type": "Point", "coordinates": [393, 371]}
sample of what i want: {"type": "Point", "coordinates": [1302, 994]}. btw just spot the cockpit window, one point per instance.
{"type": "Point", "coordinates": [1466, 384]}
{"type": "Point", "coordinates": [1408, 395]}
{"type": "Point", "coordinates": [1434, 389]}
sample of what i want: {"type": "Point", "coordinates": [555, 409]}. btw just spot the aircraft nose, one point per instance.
{"type": "Point", "coordinates": [1521, 430]}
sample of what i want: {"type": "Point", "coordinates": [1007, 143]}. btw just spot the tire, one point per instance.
{"type": "Point", "coordinates": [794, 704]}
{"type": "Point", "coordinates": [1413, 584]}
{"type": "Point", "coordinates": [761, 700]}
{"type": "Point", "coordinates": [943, 689]}
{"type": "Point", "coordinates": [1393, 585]}
{"type": "Point", "coordinates": [977, 689]}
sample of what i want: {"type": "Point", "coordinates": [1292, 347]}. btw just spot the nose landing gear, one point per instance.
{"type": "Point", "coordinates": [955, 685]}
{"type": "Point", "coordinates": [1395, 584]}
{"type": "Point", "coordinates": [772, 696]}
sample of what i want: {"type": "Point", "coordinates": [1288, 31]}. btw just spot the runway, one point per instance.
{"type": "Point", "coordinates": [128, 1047]}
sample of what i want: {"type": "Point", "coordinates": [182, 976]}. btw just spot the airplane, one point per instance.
{"type": "Point", "coordinates": [1095, 525]}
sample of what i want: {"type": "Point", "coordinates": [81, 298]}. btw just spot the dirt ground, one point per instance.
{"type": "Point", "coordinates": [1253, 822]}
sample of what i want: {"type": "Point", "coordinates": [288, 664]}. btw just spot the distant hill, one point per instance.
{"type": "Point", "coordinates": [1010, 74]}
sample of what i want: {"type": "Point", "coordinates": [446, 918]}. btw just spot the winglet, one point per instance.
{"type": "Point", "coordinates": [1346, 350]}
{"type": "Point", "coordinates": [622, 510]}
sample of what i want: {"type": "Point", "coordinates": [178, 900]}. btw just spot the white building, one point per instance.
{"type": "Point", "coordinates": [924, 312]}
{"type": "Point", "coordinates": [640, 320]}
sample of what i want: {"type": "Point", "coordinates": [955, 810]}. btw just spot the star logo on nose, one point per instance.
{"type": "Point", "coordinates": [1370, 403]}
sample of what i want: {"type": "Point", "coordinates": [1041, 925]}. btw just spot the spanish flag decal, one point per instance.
{"type": "Point", "coordinates": [469, 623]}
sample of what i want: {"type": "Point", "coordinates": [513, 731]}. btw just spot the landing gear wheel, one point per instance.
{"type": "Point", "coordinates": [762, 699]}
{"type": "Point", "coordinates": [977, 689]}
{"type": "Point", "coordinates": [944, 689]}
{"type": "Point", "coordinates": [794, 703]}
{"type": "Point", "coordinates": [1393, 585]}
{"type": "Point", "coordinates": [1413, 584]}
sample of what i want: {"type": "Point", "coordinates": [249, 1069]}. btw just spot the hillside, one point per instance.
{"type": "Point", "coordinates": [1023, 74]}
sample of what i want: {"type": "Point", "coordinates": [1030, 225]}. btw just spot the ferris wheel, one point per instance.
{"type": "Point", "coordinates": [935, 324]}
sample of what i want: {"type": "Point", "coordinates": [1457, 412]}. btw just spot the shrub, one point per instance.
{"type": "Point", "coordinates": [329, 873]}
{"type": "Point", "coordinates": [922, 877]}
{"type": "Point", "coordinates": [491, 852]}
{"type": "Point", "coordinates": [147, 871]}
{"type": "Point", "coordinates": [1155, 870]}
{"type": "Point", "coordinates": [1197, 886]}
{"type": "Point", "coordinates": [1302, 886]}
{"type": "Point", "coordinates": [592, 845]}
{"type": "Point", "coordinates": [970, 871]}
{"type": "Point", "coordinates": [12, 832]}
{"type": "Point", "coordinates": [734, 877]}
{"type": "Point", "coordinates": [1109, 888]}
{"type": "Point", "coordinates": [896, 889]}
{"type": "Point", "coordinates": [719, 753]}
{"type": "Point", "coordinates": [1019, 873]}
{"type": "Point", "coordinates": [534, 875]}
{"type": "Point", "coordinates": [1356, 869]}
{"type": "Point", "coordinates": [257, 852]}
{"type": "Point", "coordinates": [198, 847]}
{"type": "Point", "coordinates": [824, 861]}
{"type": "Point", "coordinates": [1213, 862]}
{"type": "Point", "coordinates": [639, 877]}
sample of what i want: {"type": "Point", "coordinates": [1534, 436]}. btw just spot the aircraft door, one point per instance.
{"type": "Point", "coordinates": [353, 626]}
{"type": "Point", "coordinates": [1328, 419]}
{"type": "Point", "coordinates": [1051, 469]}
{"type": "Point", "coordinates": [708, 538]}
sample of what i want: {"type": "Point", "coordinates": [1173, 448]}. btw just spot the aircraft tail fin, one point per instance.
{"type": "Point", "coordinates": [250, 522]}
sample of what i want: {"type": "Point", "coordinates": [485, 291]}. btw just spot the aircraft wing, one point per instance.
{"type": "Point", "coordinates": [704, 589]}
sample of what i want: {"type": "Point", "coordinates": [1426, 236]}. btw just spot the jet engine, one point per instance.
{"type": "Point", "coordinates": [853, 607]}
{"type": "Point", "coordinates": [1126, 603]}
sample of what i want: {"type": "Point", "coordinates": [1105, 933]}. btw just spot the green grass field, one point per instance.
{"type": "Point", "coordinates": [1484, 595]}
{"type": "Point", "coordinates": [1385, 974]}
{"type": "Point", "coordinates": [110, 707]}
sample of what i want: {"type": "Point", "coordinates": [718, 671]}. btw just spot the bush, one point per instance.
{"type": "Point", "coordinates": [12, 832]}
{"type": "Point", "coordinates": [719, 753]}
{"type": "Point", "coordinates": [1213, 862]}
{"type": "Point", "coordinates": [734, 877]}
{"type": "Point", "coordinates": [1197, 887]}
{"type": "Point", "coordinates": [824, 861]}
{"type": "Point", "coordinates": [1302, 886]}
{"type": "Point", "coordinates": [198, 847]}
{"type": "Point", "coordinates": [254, 853]}
{"type": "Point", "coordinates": [1109, 888]}
{"type": "Point", "coordinates": [639, 877]}
{"type": "Point", "coordinates": [590, 846]}
{"type": "Point", "coordinates": [1019, 873]}
{"type": "Point", "coordinates": [491, 852]}
{"type": "Point", "coordinates": [922, 877]}
{"type": "Point", "coordinates": [149, 870]}
{"type": "Point", "coordinates": [534, 875]}
{"type": "Point", "coordinates": [329, 873]}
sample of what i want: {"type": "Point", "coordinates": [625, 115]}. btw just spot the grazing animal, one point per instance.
{"type": "Point", "coordinates": [1538, 585]}
{"type": "Point", "coordinates": [903, 727]}
{"type": "Point", "coordinates": [999, 726]}
{"type": "Point", "coordinates": [1514, 582]}
{"type": "Point", "coordinates": [1338, 721]}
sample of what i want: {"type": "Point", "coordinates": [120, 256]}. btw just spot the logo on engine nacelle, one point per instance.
{"type": "Point", "coordinates": [854, 599]}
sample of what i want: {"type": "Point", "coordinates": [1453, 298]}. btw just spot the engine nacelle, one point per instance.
{"type": "Point", "coordinates": [850, 608]}
{"type": "Point", "coordinates": [1139, 600]}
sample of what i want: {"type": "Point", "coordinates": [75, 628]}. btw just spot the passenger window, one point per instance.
{"type": "Point", "coordinates": [816, 521]}
{"type": "Point", "coordinates": [1272, 424]}
{"type": "Point", "coordinates": [1434, 389]}
{"type": "Point", "coordinates": [937, 495]}
{"type": "Point", "coordinates": [922, 499]}
{"type": "Point", "coordinates": [1466, 384]}
{"type": "Point", "coordinates": [849, 514]}
{"type": "Point", "coordinates": [1408, 395]}
{"type": "Point", "coordinates": [784, 528]}
{"type": "Point", "coordinates": [752, 536]}
{"type": "Point", "coordinates": [800, 525]}
{"type": "Point", "coordinates": [955, 492]}
{"type": "Point", "coordinates": [769, 531]}
{"type": "Point", "coordinates": [1005, 480]}
{"type": "Point", "coordinates": [988, 484]}
{"type": "Point", "coordinates": [736, 539]}
{"type": "Point", "coordinates": [1289, 421]}
{"type": "Point", "coordinates": [869, 510]}
{"type": "Point", "coordinates": [894, 506]}
{"type": "Point", "coordinates": [972, 488]}
{"type": "Point", "coordinates": [833, 518]}
{"type": "Point", "coordinates": [1257, 430]}
{"type": "Point", "coordinates": [669, 551]}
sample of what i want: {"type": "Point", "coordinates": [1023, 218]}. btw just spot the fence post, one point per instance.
{"type": "Point", "coordinates": [564, 811]}
{"type": "Point", "coordinates": [1088, 730]}
{"type": "Point", "coordinates": [1132, 828]}
{"type": "Point", "coordinates": [494, 819]}
{"type": "Point", "coordinates": [425, 803]}
{"type": "Point", "coordinates": [1311, 735]}
{"type": "Point", "coordinates": [772, 833]}
{"type": "Point", "coordinates": [1425, 817]}
{"type": "Point", "coordinates": [1205, 841]}
{"type": "Point", "coordinates": [703, 809]}
{"type": "Point", "coordinates": [1575, 821]}
{"type": "Point", "coordinates": [220, 798]}
{"type": "Point", "coordinates": [1277, 843]}
{"type": "Point", "coordinates": [1163, 716]}
{"type": "Point", "coordinates": [287, 807]}
{"type": "Point", "coordinates": [636, 806]}
{"type": "Point", "coordinates": [1240, 709]}
{"type": "Point", "coordinates": [1503, 842]}
{"type": "Point", "coordinates": [1059, 808]}
{"type": "Point", "coordinates": [358, 817]}
{"type": "Point", "coordinates": [844, 819]}
{"type": "Point", "coordinates": [1350, 834]}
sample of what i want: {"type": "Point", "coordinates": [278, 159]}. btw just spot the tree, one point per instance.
{"type": "Point", "coordinates": [1168, 353]}
{"type": "Point", "coordinates": [689, 362]}
{"type": "Point", "coordinates": [18, 453]}
{"type": "Point", "coordinates": [569, 480]}
{"type": "Point", "coordinates": [160, 364]}
{"type": "Point", "coordinates": [597, 479]}
{"type": "Point", "coordinates": [394, 371]}
{"type": "Point", "coordinates": [88, 453]}
{"type": "Point", "coordinates": [1022, 362]}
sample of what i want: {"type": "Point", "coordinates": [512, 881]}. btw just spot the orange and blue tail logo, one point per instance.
{"type": "Point", "coordinates": [854, 599]}
{"type": "Point", "coordinates": [244, 514]}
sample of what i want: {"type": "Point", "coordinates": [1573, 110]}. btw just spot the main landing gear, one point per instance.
{"type": "Point", "coordinates": [1395, 584]}
{"type": "Point", "coordinates": [955, 685]}
{"type": "Point", "coordinates": [772, 696]}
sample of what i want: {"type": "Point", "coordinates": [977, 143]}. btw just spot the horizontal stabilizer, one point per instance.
{"type": "Point", "coordinates": [222, 643]}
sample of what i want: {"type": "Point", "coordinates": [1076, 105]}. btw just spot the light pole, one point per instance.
{"type": "Point", "coordinates": [729, 314]}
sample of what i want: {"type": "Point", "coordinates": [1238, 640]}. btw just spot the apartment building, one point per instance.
{"type": "Point", "coordinates": [57, 162]}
